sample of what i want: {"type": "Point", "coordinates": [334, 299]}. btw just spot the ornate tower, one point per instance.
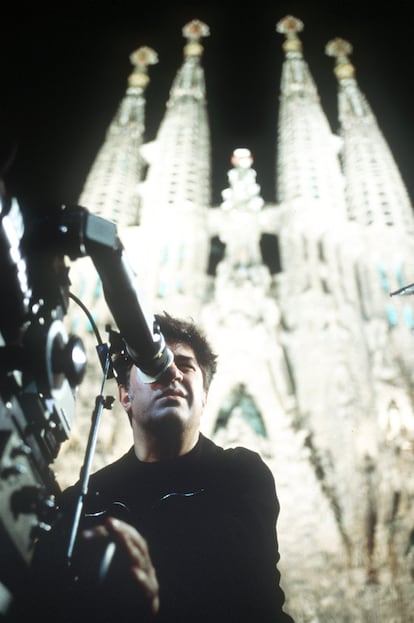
{"type": "Point", "coordinates": [177, 190]}
{"type": "Point", "coordinates": [377, 199]}
{"type": "Point", "coordinates": [314, 294]}
{"type": "Point", "coordinates": [307, 154]}
{"type": "Point", "coordinates": [112, 186]}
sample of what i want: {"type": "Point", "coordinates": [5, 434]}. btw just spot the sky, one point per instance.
{"type": "Point", "coordinates": [64, 72]}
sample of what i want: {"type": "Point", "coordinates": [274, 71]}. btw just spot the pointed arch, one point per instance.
{"type": "Point", "coordinates": [241, 403]}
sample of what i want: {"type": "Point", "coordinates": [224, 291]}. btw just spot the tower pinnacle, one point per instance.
{"type": "Point", "coordinates": [340, 50]}
{"type": "Point", "coordinates": [290, 26]}
{"type": "Point", "coordinates": [141, 58]}
{"type": "Point", "coordinates": [193, 32]}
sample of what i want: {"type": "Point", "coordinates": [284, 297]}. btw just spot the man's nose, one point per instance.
{"type": "Point", "coordinates": [171, 374]}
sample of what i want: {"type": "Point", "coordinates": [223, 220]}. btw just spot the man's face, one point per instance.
{"type": "Point", "coordinates": [179, 395]}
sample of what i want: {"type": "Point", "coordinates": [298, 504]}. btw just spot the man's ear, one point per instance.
{"type": "Point", "coordinates": [124, 397]}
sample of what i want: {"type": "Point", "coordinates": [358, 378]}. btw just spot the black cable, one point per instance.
{"type": "Point", "coordinates": [89, 315]}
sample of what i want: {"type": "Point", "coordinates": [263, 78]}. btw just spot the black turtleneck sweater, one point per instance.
{"type": "Point", "coordinates": [209, 518]}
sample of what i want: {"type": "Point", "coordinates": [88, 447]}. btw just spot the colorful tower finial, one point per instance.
{"type": "Point", "coordinates": [141, 58]}
{"type": "Point", "coordinates": [290, 26]}
{"type": "Point", "coordinates": [193, 32]}
{"type": "Point", "coordinates": [340, 50]}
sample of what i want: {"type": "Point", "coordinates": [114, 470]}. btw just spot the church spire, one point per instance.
{"type": "Point", "coordinates": [290, 26]}
{"type": "Point", "coordinates": [111, 187]}
{"type": "Point", "coordinates": [189, 80]}
{"type": "Point", "coordinates": [308, 166]}
{"type": "Point", "coordinates": [310, 183]}
{"type": "Point", "coordinates": [376, 194]}
{"type": "Point", "coordinates": [377, 199]}
{"type": "Point", "coordinates": [180, 158]}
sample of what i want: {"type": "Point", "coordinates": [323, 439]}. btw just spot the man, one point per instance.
{"type": "Point", "coordinates": [176, 530]}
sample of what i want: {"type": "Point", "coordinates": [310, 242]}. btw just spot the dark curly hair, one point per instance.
{"type": "Point", "coordinates": [176, 330]}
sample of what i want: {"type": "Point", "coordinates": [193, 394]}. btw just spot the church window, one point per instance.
{"type": "Point", "coordinates": [241, 402]}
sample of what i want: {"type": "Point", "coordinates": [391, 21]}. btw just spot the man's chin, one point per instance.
{"type": "Point", "coordinates": [170, 419]}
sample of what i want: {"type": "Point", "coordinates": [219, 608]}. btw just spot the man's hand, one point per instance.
{"type": "Point", "coordinates": [133, 544]}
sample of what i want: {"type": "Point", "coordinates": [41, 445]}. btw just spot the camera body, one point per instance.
{"type": "Point", "coordinates": [41, 366]}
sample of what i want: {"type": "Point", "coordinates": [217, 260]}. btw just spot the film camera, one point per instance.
{"type": "Point", "coordinates": [41, 365]}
